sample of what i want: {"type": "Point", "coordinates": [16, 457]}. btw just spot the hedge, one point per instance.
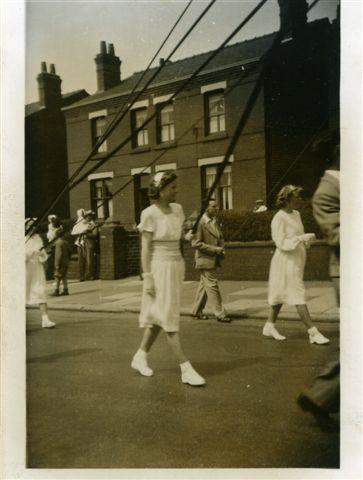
{"type": "Point", "coordinates": [246, 226]}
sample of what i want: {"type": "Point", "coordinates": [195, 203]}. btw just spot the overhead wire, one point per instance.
{"type": "Point", "coordinates": [94, 149]}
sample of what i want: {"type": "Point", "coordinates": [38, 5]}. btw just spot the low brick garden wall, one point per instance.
{"type": "Point", "coordinates": [251, 261]}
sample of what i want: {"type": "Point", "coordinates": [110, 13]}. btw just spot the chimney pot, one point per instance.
{"type": "Point", "coordinates": [52, 69]}
{"type": "Point", "coordinates": [111, 49]}
{"type": "Point", "coordinates": [161, 62]}
{"type": "Point", "coordinates": [103, 47]}
{"type": "Point", "coordinates": [43, 67]}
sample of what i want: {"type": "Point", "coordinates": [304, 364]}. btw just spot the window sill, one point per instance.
{"type": "Point", "coordinates": [163, 146]}
{"type": "Point", "coordinates": [214, 136]}
{"type": "Point", "coordinates": [98, 156]}
{"type": "Point", "coordinates": [140, 149]}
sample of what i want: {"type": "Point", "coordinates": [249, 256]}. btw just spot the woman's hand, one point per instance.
{"type": "Point", "coordinates": [149, 284]}
{"type": "Point", "coordinates": [189, 236]}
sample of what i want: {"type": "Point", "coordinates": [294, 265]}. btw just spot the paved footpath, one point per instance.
{"type": "Point", "coordinates": [241, 299]}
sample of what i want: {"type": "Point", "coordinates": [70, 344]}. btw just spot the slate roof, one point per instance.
{"type": "Point", "coordinates": [34, 107]}
{"type": "Point", "coordinates": [173, 71]}
{"type": "Point", "coordinates": [230, 55]}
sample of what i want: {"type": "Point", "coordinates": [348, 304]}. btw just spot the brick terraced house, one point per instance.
{"type": "Point", "coordinates": [191, 134]}
{"type": "Point", "coordinates": [46, 169]}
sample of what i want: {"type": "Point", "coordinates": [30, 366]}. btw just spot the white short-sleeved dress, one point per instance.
{"type": "Point", "coordinates": [288, 262]}
{"type": "Point", "coordinates": [35, 276]}
{"type": "Point", "coordinates": [167, 267]}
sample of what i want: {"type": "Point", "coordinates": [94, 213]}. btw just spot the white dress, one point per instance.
{"type": "Point", "coordinates": [35, 276]}
{"type": "Point", "coordinates": [285, 283]}
{"type": "Point", "coordinates": [167, 267]}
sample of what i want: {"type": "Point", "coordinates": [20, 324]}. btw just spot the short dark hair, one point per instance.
{"type": "Point", "coordinates": [327, 145]}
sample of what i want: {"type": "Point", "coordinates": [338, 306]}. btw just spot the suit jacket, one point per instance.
{"type": "Point", "coordinates": [208, 237]}
{"type": "Point", "coordinates": [326, 208]}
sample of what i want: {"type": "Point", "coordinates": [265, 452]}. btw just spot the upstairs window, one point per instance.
{"type": "Point", "coordinates": [98, 129]}
{"type": "Point", "coordinates": [166, 124]}
{"type": "Point", "coordinates": [223, 191]}
{"type": "Point", "coordinates": [139, 117]}
{"type": "Point", "coordinates": [101, 198]}
{"type": "Point", "coordinates": [215, 112]}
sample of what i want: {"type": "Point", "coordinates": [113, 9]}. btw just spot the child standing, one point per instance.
{"type": "Point", "coordinates": [62, 253]}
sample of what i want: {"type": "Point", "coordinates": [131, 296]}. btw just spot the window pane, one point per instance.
{"type": "Point", "coordinates": [165, 134]}
{"type": "Point", "coordinates": [213, 124]}
{"type": "Point", "coordinates": [222, 123]}
{"type": "Point", "coordinates": [140, 117]}
{"type": "Point", "coordinates": [140, 138]}
{"type": "Point", "coordinates": [172, 133]}
{"type": "Point", "coordinates": [216, 104]}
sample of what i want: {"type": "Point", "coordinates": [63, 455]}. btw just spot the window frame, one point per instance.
{"type": "Point", "coordinates": [223, 193]}
{"type": "Point", "coordinates": [135, 136]}
{"type": "Point", "coordinates": [207, 113]}
{"type": "Point", "coordinates": [102, 148]}
{"type": "Point", "coordinates": [160, 125]}
{"type": "Point", "coordinates": [107, 207]}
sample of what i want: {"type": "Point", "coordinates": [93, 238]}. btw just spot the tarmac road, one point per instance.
{"type": "Point", "coordinates": [86, 408]}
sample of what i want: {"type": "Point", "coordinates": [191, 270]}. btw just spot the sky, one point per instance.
{"type": "Point", "coordinates": [68, 33]}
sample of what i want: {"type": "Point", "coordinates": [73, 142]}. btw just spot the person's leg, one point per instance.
{"type": "Point", "coordinates": [139, 360]}
{"type": "Point", "coordinates": [314, 335]}
{"type": "Point", "coordinates": [213, 293]}
{"type": "Point", "coordinates": [81, 262]}
{"type": "Point", "coordinates": [89, 247]}
{"type": "Point", "coordinates": [46, 323]}
{"type": "Point", "coordinates": [200, 298]}
{"type": "Point", "coordinates": [269, 329]}
{"type": "Point", "coordinates": [65, 285]}
{"type": "Point", "coordinates": [56, 289]}
{"type": "Point", "coordinates": [189, 375]}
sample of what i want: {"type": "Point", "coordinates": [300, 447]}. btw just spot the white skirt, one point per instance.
{"type": "Point", "coordinates": [285, 284]}
{"type": "Point", "coordinates": [35, 283]}
{"type": "Point", "coordinates": [168, 269]}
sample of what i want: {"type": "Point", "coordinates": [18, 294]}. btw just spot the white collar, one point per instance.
{"type": "Point", "coordinates": [334, 173]}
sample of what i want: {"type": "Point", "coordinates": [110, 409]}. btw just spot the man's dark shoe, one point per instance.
{"type": "Point", "coordinates": [224, 319]}
{"type": "Point", "coordinates": [65, 292]}
{"type": "Point", "coordinates": [325, 422]}
{"type": "Point", "coordinates": [200, 316]}
{"type": "Point", "coordinates": [55, 293]}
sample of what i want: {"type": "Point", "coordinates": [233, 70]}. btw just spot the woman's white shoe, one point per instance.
{"type": "Point", "coordinates": [316, 337]}
{"type": "Point", "coordinates": [140, 364]}
{"type": "Point", "coordinates": [46, 323]}
{"type": "Point", "coordinates": [193, 378]}
{"type": "Point", "coordinates": [269, 330]}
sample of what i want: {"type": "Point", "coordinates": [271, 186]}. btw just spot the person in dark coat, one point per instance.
{"type": "Point", "coordinates": [62, 254]}
{"type": "Point", "coordinates": [323, 397]}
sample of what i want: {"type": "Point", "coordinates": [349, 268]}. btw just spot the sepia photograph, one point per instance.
{"type": "Point", "coordinates": [181, 261]}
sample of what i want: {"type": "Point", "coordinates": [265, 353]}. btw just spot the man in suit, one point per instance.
{"type": "Point", "coordinates": [209, 252]}
{"type": "Point", "coordinates": [323, 397]}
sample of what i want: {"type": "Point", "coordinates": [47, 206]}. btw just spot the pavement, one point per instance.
{"type": "Point", "coordinates": [241, 299]}
{"type": "Point", "coordinates": [86, 408]}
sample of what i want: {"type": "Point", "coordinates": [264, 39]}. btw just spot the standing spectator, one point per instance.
{"type": "Point", "coordinates": [53, 225]}
{"type": "Point", "coordinates": [323, 397]}
{"type": "Point", "coordinates": [87, 237]}
{"type": "Point", "coordinates": [209, 245]}
{"type": "Point", "coordinates": [288, 263]}
{"type": "Point", "coordinates": [163, 272]}
{"type": "Point", "coordinates": [259, 206]}
{"type": "Point", "coordinates": [62, 255]}
{"type": "Point", "coordinates": [35, 256]}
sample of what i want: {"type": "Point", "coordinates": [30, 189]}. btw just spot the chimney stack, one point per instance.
{"type": "Point", "coordinates": [49, 86]}
{"type": "Point", "coordinates": [107, 67]}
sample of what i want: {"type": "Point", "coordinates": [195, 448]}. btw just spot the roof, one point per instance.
{"type": "Point", "coordinates": [67, 99]}
{"type": "Point", "coordinates": [229, 56]}
{"type": "Point", "coordinates": [174, 71]}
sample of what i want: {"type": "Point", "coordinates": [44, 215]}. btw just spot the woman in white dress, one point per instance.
{"type": "Point", "coordinates": [286, 284]}
{"type": "Point", "coordinates": [163, 268]}
{"type": "Point", "coordinates": [35, 257]}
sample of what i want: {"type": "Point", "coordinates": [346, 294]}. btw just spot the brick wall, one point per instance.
{"type": "Point", "coordinates": [251, 261]}
{"type": "Point", "coordinates": [133, 254]}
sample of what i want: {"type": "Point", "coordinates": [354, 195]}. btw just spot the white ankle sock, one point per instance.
{"type": "Point", "coordinates": [141, 353]}
{"type": "Point", "coordinates": [312, 330]}
{"type": "Point", "coordinates": [45, 317]}
{"type": "Point", "coordinates": [185, 366]}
